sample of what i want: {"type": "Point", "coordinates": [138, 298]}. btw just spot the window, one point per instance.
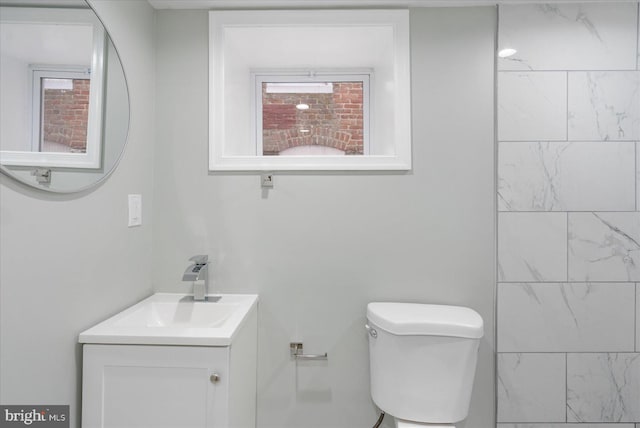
{"type": "Point", "coordinates": [273, 105]}
{"type": "Point", "coordinates": [60, 109]}
{"type": "Point", "coordinates": [53, 84]}
{"type": "Point", "coordinates": [312, 114]}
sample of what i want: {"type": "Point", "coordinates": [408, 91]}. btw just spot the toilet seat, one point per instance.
{"type": "Point", "coordinates": [402, 423]}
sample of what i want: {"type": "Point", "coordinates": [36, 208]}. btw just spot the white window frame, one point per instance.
{"type": "Point", "coordinates": [264, 76]}
{"type": "Point", "coordinates": [92, 158]}
{"type": "Point", "coordinates": [234, 55]}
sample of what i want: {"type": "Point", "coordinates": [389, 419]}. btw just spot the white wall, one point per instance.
{"type": "Point", "coordinates": [15, 134]}
{"type": "Point", "coordinates": [69, 262]}
{"type": "Point", "coordinates": [318, 247]}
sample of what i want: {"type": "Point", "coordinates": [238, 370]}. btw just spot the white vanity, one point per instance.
{"type": "Point", "coordinates": [171, 362]}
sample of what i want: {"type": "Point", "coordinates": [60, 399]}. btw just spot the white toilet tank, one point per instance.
{"type": "Point", "coordinates": [423, 359]}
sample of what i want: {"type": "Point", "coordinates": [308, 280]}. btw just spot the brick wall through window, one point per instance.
{"type": "Point", "coordinates": [64, 115]}
{"type": "Point", "coordinates": [333, 119]}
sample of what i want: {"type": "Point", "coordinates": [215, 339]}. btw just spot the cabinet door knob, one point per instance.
{"type": "Point", "coordinates": [214, 377]}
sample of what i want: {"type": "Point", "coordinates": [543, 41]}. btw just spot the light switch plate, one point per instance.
{"type": "Point", "coordinates": [135, 210]}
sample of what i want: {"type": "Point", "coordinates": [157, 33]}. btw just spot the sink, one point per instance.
{"type": "Point", "coordinates": [178, 314]}
{"type": "Point", "coordinates": [175, 319]}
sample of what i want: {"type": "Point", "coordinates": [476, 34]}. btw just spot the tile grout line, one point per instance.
{"type": "Point", "coordinates": [496, 214]}
{"type": "Point", "coordinates": [593, 70]}
{"type": "Point", "coordinates": [567, 235]}
{"type": "Point", "coordinates": [567, 282]}
{"type": "Point", "coordinates": [570, 211]}
{"type": "Point", "coordinates": [566, 387]}
{"type": "Point", "coordinates": [637, 149]}
{"type": "Point", "coordinates": [566, 119]}
{"type": "Point", "coordinates": [569, 352]}
{"type": "Point", "coordinates": [581, 141]}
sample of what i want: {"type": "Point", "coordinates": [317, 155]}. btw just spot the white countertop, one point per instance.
{"type": "Point", "coordinates": [175, 319]}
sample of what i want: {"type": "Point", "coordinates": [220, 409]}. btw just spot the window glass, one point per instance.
{"type": "Point", "coordinates": [328, 116]}
{"type": "Point", "coordinates": [64, 115]}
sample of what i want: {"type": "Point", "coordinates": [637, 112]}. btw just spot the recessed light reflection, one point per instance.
{"type": "Point", "coordinates": [302, 106]}
{"type": "Point", "coordinates": [304, 131]}
{"type": "Point", "coordinates": [507, 52]}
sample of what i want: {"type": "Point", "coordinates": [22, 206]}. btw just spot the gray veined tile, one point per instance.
{"type": "Point", "coordinates": [604, 246]}
{"type": "Point", "coordinates": [604, 105]}
{"type": "Point", "coordinates": [531, 388]}
{"type": "Point", "coordinates": [578, 425]}
{"type": "Point", "coordinates": [638, 317]}
{"type": "Point", "coordinates": [638, 173]}
{"type": "Point", "coordinates": [532, 106]}
{"type": "Point", "coordinates": [556, 317]}
{"type": "Point", "coordinates": [532, 247]}
{"type": "Point", "coordinates": [587, 36]}
{"type": "Point", "coordinates": [603, 387]}
{"type": "Point", "coordinates": [566, 176]}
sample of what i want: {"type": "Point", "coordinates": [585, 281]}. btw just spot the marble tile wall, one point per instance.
{"type": "Point", "coordinates": [568, 317]}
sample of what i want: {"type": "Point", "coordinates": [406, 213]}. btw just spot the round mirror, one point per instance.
{"type": "Point", "coordinates": [64, 110]}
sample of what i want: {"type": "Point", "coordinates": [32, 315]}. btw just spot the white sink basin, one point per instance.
{"type": "Point", "coordinates": [178, 314]}
{"type": "Point", "coordinates": [175, 319]}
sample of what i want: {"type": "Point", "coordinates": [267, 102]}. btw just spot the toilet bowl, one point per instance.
{"type": "Point", "coordinates": [400, 423]}
{"type": "Point", "coordinates": [423, 361]}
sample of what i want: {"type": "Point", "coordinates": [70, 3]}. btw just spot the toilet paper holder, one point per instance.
{"type": "Point", "coordinates": [297, 352]}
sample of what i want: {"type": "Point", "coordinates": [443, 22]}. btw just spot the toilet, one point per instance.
{"type": "Point", "coordinates": [423, 361]}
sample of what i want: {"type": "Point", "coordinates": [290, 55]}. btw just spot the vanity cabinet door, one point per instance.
{"type": "Point", "coordinates": [130, 386]}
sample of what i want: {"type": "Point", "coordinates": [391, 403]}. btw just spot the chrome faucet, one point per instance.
{"type": "Point", "coordinates": [198, 273]}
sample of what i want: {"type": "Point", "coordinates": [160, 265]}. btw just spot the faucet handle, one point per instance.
{"type": "Point", "coordinates": [200, 260]}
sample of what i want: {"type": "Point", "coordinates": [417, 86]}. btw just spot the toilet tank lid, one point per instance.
{"type": "Point", "coordinates": [425, 319]}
